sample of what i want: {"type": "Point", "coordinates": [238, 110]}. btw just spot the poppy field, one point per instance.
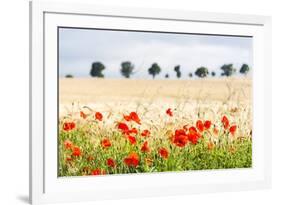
{"type": "Point", "coordinates": [144, 135]}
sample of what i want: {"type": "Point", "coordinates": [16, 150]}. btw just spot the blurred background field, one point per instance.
{"type": "Point", "coordinates": [89, 91]}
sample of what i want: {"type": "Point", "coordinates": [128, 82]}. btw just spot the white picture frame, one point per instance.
{"type": "Point", "coordinates": [46, 187]}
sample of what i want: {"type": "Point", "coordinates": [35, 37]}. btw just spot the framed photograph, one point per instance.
{"type": "Point", "coordinates": [130, 102]}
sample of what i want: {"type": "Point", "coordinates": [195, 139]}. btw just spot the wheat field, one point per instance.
{"type": "Point", "coordinates": [103, 92]}
{"type": "Point", "coordinates": [162, 108]}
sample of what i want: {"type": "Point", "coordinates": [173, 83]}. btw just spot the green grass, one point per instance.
{"type": "Point", "coordinates": [227, 152]}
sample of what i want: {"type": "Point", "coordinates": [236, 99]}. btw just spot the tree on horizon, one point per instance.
{"type": "Point", "coordinates": [154, 70]}
{"type": "Point", "coordinates": [127, 69]}
{"type": "Point", "coordinates": [202, 72]}
{"type": "Point", "coordinates": [244, 69]}
{"type": "Point", "coordinates": [69, 76]}
{"type": "Point", "coordinates": [177, 70]}
{"type": "Point", "coordinates": [96, 69]}
{"type": "Point", "coordinates": [228, 70]}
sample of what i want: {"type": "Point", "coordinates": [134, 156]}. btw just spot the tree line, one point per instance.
{"type": "Point", "coordinates": [128, 69]}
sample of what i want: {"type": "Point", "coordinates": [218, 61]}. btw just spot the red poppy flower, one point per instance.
{"type": "Point", "coordinates": [169, 112]}
{"type": "Point", "coordinates": [200, 125]}
{"type": "Point", "coordinates": [180, 140]}
{"type": "Point", "coordinates": [180, 132]}
{"type": "Point", "coordinates": [110, 162]}
{"type": "Point", "coordinates": [83, 115]}
{"type": "Point", "coordinates": [132, 160]}
{"type": "Point", "coordinates": [76, 151]}
{"type": "Point", "coordinates": [193, 136]}
{"type": "Point", "coordinates": [127, 117]}
{"type": "Point", "coordinates": [98, 116]}
{"type": "Point", "coordinates": [225, 122]}
{"type": "Point", "coordinates": [132, 139]}
{"type": "Point", "coordinates": [123, 127]}
{"type": "Point", "coordinates": [232, 129]}
{"type": "Point", "coordinates": [67, 126]}
{"type": "Point", "coordinates": [207, 124]}
{"type": "Point", "coordinates": [67, 144]}
{"type": "Point", "coordinates": [163, 152]}
{"type": "Point", "coordinates": [105, 143]}
{"type": "Point", "coordinates": [192, 129]}
{"type": "Point", "coordinates": [145, 133]}
{"type": "Point", "coordinates": [98, 172]}
{"type": "Point", "coordinates": [134, 116]}
{"type": "Point", "coordinates": [133, 131]}
{"type": "Point", "coordinates": [145, 147]}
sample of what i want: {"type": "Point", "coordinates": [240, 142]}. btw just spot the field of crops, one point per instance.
{"type": "Point", "coordinates": [183, 126]}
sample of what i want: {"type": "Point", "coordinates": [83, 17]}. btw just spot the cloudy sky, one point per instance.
{"type": "Point", "coordinates": [78, 48]}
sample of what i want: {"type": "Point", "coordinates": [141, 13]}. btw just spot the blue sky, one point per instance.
{"type": "Point", "coordinates": [78, 48]}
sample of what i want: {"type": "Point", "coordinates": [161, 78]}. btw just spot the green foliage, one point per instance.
{"type": "Point", "coordinates": [202, 72]}
{"type": "Point", "coordinates": [154, 70]}
{"type": "Point", "coordinates": [96, 69]}
{"type": "Point", "coordinates": [127, 69]}
{"type": "Point", "coordinates": [213, 73]}
{"type": "Point", "coordinates": [244, 69]}
{"type": "Point", "coordinates": [228, 70]}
